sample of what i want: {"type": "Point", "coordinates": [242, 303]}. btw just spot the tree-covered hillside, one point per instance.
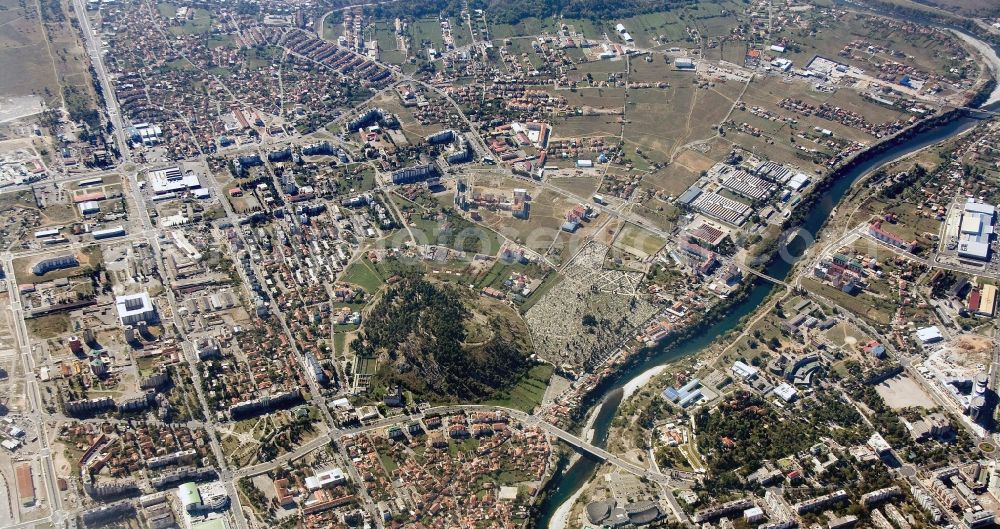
{"type": "Point", "coordinates": [442, 343]}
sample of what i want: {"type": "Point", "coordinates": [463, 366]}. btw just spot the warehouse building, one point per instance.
{"type": "Point", "coordinates": [975, 230]}
{"type": "Point", "coordinates": [117, 231]}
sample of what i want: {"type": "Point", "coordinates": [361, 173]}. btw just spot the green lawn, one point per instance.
{"type": "Point", "coordinates": [200, 23]}
{"type": "Point", "coordinates": [166, 10]}
{"type": "Point", "coordinates": [528, 392]}
{"type": "Point", "coordinates": [362, 274]}
{"type": "Point", "coordinates": [387, 461]}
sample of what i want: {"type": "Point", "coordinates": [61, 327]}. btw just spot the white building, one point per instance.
{"type": "Point", "coordinates": [326, 478]}
{"type": "Point", "coordinates": [928, 335]}
{"type": "Point", "coordinates": [172, 180]}
{"type": "Point", "coordinates": [683, 63]}
{"type": "Point", "coordinates": [975, 230]}
{"type": "Point", "coordinates": [785, 392]}
{"type": "Point", "coordinates": [135, 308]}
{"type": "Point", "coordinates": [744, 371]}
{"type": "Point", "coordinates": [89, 207]}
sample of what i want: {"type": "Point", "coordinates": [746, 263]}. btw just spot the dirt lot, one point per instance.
{"type": "Point", "coordinates": [903, 392]}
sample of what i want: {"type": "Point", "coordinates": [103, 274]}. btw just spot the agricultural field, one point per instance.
{"type": "Point", "coordinates": [693, 112]}
{"type": "Point", "coordinates": [43, 58]}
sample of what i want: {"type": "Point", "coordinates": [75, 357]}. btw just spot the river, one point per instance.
{"type": "Point", "coordinates": [569, 480]}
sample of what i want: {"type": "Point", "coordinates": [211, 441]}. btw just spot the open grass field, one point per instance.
{"type": "Point", "coordinates": [582, 186]}
{"type": "Point", "coordinates": [597, 99]}
{"type": "Point", "coordinates": [24, 54]}
{"type": "Point", "coordinates": [927, 53]}
{"type": "Point", "coordinates": [663, 214]}
{"type": "Point", "coordinates": [671, 180]}
{"type": "Point", "coordinates": [363, 274]}
{"type": "Point", "coordinates": [979, 8]}
{"type": "Point", "coordinates": [638, 241]}
{"type": "Point", "coordinates": [48, 326]}
{"type": "Point", "coordinates": [661, 122]}
{"type": "Point", "coordinates": [599, 70]}
{"type": "Point", "coordinates": [87, 257]}
{"type": "Point", "coordinates": [586, 126]}
{"type": "Point", "coordinates": [200, 22]}
{"type": "Point", "coordinates": [538, 231]}
{"type": "Point", "coordinates": [166, 10]}
{"type": "Point", "coordinates": [385, 34]}
{"type": "Point", "coordinates": [862, 304]}
{"type": "Point", "coordinates": [528, 26]}
{"type": "Point", "coordinates": [647, 29]}
{"type": "Point", "coordinates": [426, 33]}
{"type": "Point", "coordinates": [528, 392]}
{"type": "Point", "coordinates": [411, 127]}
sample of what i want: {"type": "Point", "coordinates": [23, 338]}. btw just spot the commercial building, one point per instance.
{"type": "Point", "coordinates": [975, 230]}
{"type": "Point", "coordinates": [785, 392]}
{"type": "Point", "coordinates": [987, 300]}
{"type": "Point", "coordinates": [929, 335]}
{"type": "Point", "coordinates": [743, 370]}
{"type": "Point", "coordinates": [189, 496]}
{"type": "Point", "coordinates": [683, 63]}
{"type": "Point", "coordinates": [135, 308]}
{"type": "Point", "coordinates": [117, 231]}
{"type": "Point", "coordinates": [327, 478]}
{"type": "Point", "coordinates": [746, 184]}
{"type": "Point", "coordinates": [172, 180]}
{"type": "Point", "coordinates": [878, 443]}
{"type": "Point", "coordinates": [797, 182]}
{"type": "Point", "coordinates": [977, 519]}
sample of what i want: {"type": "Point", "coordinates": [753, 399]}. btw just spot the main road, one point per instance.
{"type": "Point", "coordinates": [524, 418]}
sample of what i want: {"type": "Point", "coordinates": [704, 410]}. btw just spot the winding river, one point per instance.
{"type": "Point", "coordinates": [610, 393]}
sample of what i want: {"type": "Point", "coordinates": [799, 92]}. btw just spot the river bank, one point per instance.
{"type": "Point", "coordinates": [643, 365]}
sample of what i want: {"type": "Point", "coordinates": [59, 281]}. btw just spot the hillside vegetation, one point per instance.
{"type": "Point", "coordinates": [514, 11]}
{"type": "Point", "coordinates": [442, 343]}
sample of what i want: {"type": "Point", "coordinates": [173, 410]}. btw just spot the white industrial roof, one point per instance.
{"type": "Point", "coordinates": [929, 334]}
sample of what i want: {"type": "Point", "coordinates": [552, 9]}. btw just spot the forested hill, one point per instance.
{"type": "Point", "coordinates": [443, 343]}
{"type": "Point", "coordinates": [514, 11]}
